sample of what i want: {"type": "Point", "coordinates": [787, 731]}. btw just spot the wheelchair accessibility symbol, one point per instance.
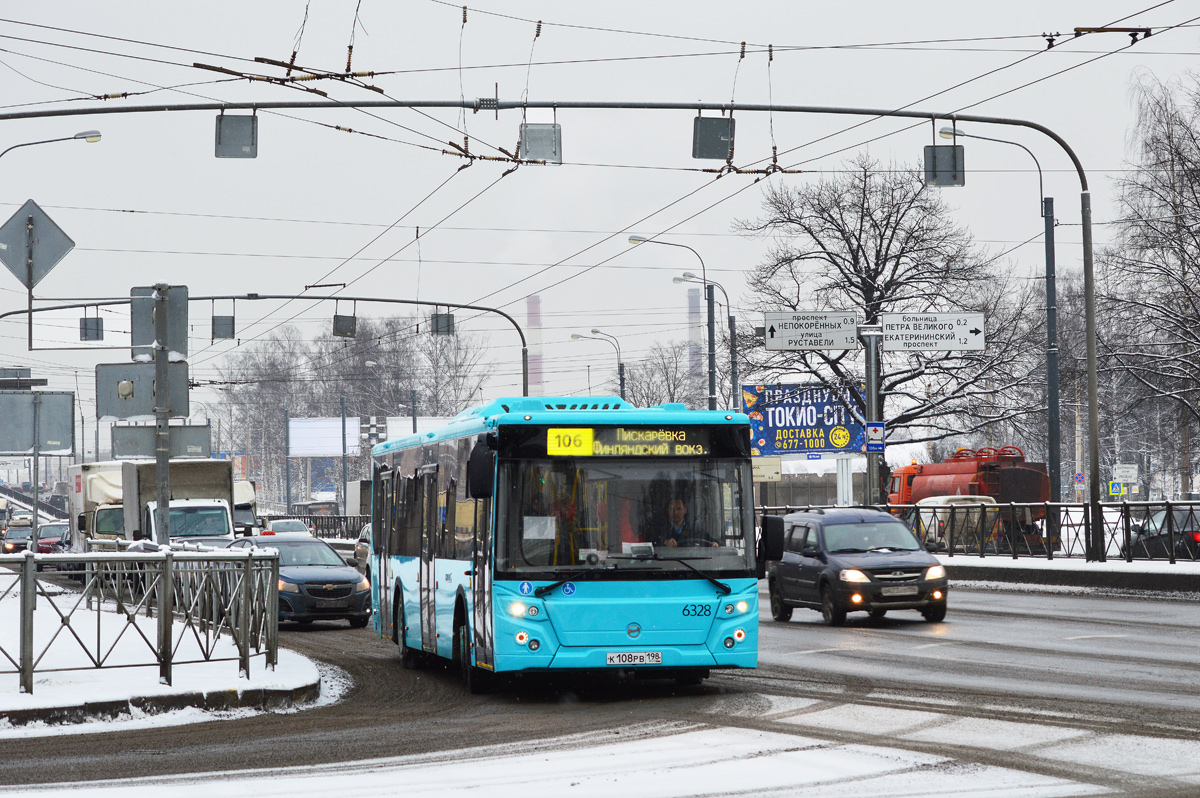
{"type": "Point", "coordinates": [568, 589]}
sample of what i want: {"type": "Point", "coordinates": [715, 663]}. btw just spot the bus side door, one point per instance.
{"type": "Point", "coordinates": [427, 491]}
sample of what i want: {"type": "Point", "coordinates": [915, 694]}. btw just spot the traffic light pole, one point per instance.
{"type": "Point", "coordinates": [1095, 547]}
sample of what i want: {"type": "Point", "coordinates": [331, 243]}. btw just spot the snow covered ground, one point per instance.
{"type": "Point", "coordinates": [659, 760]}
{"type": "Point", "coordinates": [64, 677]}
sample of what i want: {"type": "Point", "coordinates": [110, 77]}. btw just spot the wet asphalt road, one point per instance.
{"type": "Point", "coordinates": [1096, 663]}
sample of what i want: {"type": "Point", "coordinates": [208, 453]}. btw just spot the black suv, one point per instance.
{"type": "Point", "coordinates": [845, 560]}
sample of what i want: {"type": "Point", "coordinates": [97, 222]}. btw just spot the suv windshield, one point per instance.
{"type": "Point", "coordinates": [199, 522]}
{"type": "Point", "coordinates": [847, 538]}
{"type": "Point", "coordinates": [304, 552]}
{"type": "Point", "coordinates": [615, 515]}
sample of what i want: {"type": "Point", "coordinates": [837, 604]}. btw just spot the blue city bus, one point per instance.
{"type": "Point", "coordinates": [536, 535]}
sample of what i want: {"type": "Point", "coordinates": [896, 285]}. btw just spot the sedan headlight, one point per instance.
{"type": "Point", "coordinates": [363, 586]}
{"type": "Point", "coordinates": [935, 572]}
{"type": "Point", "coordinates": [854, 575]}
{"type": "Point", "coordinates": [288, 587]}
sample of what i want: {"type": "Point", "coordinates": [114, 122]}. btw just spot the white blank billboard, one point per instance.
{"type": "Point", "coordinates": [321, 437]}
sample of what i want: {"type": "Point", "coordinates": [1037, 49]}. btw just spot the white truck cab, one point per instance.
{"type": "Point", "coordinates": [204, 521]}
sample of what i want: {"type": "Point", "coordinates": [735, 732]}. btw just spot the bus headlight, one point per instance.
{"type": "Point", "coordinates": [742, 606]}
{"type": "Point", "coordinates": [935, 572]}
{"type": "Point", "coordinates": [854, 575]}
{"type": "Point", "coordinates": [517, 609]}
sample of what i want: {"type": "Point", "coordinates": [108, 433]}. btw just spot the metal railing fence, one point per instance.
{"type": "Point", "coordinates": [1128, 531]}
{"type": "Point", "coordinates": [141, 609]}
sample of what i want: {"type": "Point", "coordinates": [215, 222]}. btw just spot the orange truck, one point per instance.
{"type": "Point", "coordinates": [1001, 474]}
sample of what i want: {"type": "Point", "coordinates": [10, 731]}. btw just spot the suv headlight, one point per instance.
{"type": "Point", "coordinates": [935, 572]}
{"type": "Point", "coordinates": [362, 586]}
{"type": "Point", "coordinates": [288, 587]}
{"type": "Point", "coordinates": [853, 575]}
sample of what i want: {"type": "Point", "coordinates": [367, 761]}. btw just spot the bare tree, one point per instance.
{"type": "Point", "coordinates": [880, 241]}
{"type": "Point", "coordinates": [663, 376]}
{"type": "Point", "coordinates": [1154, 266]}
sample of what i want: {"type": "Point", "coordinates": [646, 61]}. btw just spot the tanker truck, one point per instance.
{"type": "Point", "coordinates": [1001, 476]}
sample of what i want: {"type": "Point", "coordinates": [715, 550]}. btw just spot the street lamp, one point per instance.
{"type": "Point", "coordinates": [608, 339]}
{"type": "Point", "coordinates": [85, 135]}
{"type": "Point", "coordinates": [1053, 432]}
{"type": "Point", "coordinates": [688, 277]}
{"type": "Point", "coordinates": [712, 325]}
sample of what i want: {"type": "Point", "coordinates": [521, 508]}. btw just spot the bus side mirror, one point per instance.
{"type": "Point", "coordinates": [771, 543]}
{"type": "Point", "coordinates": [481, 472]}
{"type": "Point", "coordinates": [772, 537]}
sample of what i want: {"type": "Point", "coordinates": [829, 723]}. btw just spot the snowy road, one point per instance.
{"type": "Point", "coordinates": [1017, 694]}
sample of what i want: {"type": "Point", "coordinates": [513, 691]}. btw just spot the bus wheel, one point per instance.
{"type": "Point", "coordinates": [409, 659]}
{"type": "Point", "coordinates": [478, 680]}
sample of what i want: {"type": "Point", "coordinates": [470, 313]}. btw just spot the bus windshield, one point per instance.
{"type": "Point", "coordinates": [616, 516]}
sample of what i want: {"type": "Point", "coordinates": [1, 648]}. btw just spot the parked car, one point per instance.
{"type": "Point", "coordinates": [362, 550]}
{"type": "Point", "coordinates": [276, 525]}
{"type": "Point", "coordinates": [315, 583]}
{"type": "Point", "coordinates": [848, 560]}
{"type": "Point", "coordinates": [1151, 539]}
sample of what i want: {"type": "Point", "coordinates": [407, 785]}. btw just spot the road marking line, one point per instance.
{"type": "Point", "coordinates": [816, 651]}
{"type": "Point", "coordinates": [935, 645]}
{"type": "Point", "coordinates": [1092, 637]}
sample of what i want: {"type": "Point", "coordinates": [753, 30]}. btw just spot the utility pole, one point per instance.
{"type": "Point", "coordinates": [162, 416]}
{"type": "Point", "coordinates": [287, 461]}
{"type": "Point", "coordinates": [872, 335]}
{"type": "Point", "coordinates": [1054, 460]}
{"type": "Point", "coordinates": [345, 476]}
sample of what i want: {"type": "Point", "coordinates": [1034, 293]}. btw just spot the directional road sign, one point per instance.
{"type": "Point", "coordinates": [1125, 472]}
{"type": "Point", "coordinates": [31, 244]}
{"type": "Point", "coordinates": [933, 332]}
{"type": "Point", "coordinates": [767, 469]}
{"type": "Point", "coordinates": [825, 329]}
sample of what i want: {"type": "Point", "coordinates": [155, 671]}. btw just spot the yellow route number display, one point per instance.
{"type": "Point", "coordinates": [577, 441]}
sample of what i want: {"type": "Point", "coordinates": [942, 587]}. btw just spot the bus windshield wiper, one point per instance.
{"type": "Point", "coordinates": [724, 588]}
{"type": "Point", "coordinates": [544, 589]}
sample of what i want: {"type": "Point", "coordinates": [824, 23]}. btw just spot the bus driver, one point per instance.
{"type": "Point", "coordinates": [680, 530]}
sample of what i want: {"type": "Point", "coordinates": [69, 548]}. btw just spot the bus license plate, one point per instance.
{"type": "Point", "coordinates": [634, 658]}
{"type": "Point", "coordinates": [900, 590]}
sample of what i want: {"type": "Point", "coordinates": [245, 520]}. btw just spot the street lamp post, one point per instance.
{"type": "Point", "coordinates": [608, 339]}
{"type": "Point", "coordinates": [90, 136]}
{"type": "Point", "coordinates": [688, 277]}
{"type": "Point", "coordinates": [712, 325]}
{"type": "Point", "coordinates": [1053, 430]}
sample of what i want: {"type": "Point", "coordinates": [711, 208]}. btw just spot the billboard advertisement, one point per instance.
{"type": "Point", "coordinates": [800, 419]}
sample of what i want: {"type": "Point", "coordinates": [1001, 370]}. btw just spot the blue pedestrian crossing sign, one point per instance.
{"type": "Point", "coordinates": [1117, 489]}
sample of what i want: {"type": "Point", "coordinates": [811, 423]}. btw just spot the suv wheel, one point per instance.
{"type": "Point", "coordinates": [779, 610]}
{"type": "Point", "coordinates": [935, 614]}
{"type": "Point", "coordinates": [833, 614]}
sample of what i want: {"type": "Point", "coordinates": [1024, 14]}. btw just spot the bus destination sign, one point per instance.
{"type": "Point", "coordinates": [627, 442]}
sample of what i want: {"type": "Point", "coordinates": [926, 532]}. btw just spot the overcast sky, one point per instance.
{"type": "Point", "coordinates": [150, 203]}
